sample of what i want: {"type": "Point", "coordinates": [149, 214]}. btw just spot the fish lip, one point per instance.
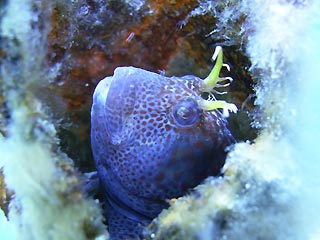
{"type": "Point", "coordinates": [125, 210]}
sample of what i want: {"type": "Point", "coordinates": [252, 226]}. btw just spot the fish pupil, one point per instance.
{"type": "Point", "coordinates": [186, 113]}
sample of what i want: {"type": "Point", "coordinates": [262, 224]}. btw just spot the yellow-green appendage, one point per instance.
{"type": "Point", "coordinates": [213, 81]}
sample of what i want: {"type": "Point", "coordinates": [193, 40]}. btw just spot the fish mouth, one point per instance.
{"type": "Point", "coordinates": [125, 210]}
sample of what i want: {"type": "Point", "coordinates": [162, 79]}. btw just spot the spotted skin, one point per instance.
{"type": "Point", "coordinates": [151, 142]}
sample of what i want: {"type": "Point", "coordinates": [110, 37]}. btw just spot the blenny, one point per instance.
{"type": "Point", "coordinates": [153, 138]}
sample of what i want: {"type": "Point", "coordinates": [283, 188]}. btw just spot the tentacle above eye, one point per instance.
{"type": "Point", "coordinates": [211, 81]}
{"type": "Point", "coordinates": [214, 81]}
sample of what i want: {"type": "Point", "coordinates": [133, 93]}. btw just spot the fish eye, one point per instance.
{"type": "Point", "coordinates": [186, 113]}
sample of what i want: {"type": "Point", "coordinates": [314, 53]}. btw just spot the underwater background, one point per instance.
{"type": "Point", "coordinates": [53, 53]}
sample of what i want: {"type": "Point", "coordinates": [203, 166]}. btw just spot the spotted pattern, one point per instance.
{"type": "Point", "coordinates": [143, 155]}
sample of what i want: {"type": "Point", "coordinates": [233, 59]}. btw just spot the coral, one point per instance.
{"type": "Point", "coordinates": [5, 195]}
{"type": "Point", "coordinates": [252, 200]}
{"type": "Point", "coordinates": [53, 53]}
{"type": "Point", "coordinates": [6, 228]}
{"type": "Point", "coordinates": [270, 189]}
{"type": "Point", "coordinates": [48, 201]}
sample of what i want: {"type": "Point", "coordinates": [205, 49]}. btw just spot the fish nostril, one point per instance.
{"type": "Point", "coordinates": [205, 95]}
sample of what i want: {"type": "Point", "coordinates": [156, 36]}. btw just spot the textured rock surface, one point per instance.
{"type": "Point", "coordinates": [251, 200]}
{"type": "Point", "coordinates": [47, 199]}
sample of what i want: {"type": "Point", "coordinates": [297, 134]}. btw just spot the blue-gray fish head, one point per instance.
{"type": "Point", "coordinates": [152, 139]}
